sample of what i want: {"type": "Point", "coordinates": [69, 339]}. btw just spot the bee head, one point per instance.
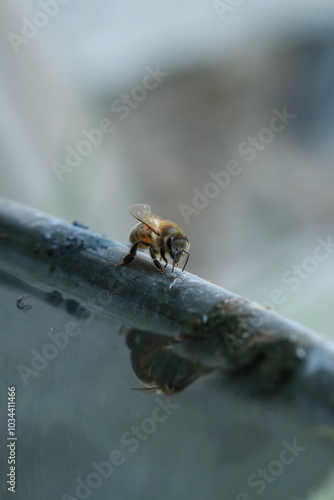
{"type": "Point", "coordinates": [177, 247]}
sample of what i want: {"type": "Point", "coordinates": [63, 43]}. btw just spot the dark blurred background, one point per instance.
{"type": "Point", "coordinates": [188, 87]}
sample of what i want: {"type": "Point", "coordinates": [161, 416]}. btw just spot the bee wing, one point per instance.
{"type": "Point", "coordinates": [143, 213]}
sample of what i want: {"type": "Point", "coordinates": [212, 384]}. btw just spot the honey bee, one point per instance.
{"type": "Point", "coordinates": [160, 236]}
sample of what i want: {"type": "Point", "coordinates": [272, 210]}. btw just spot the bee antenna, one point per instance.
{"type": "Point", "coordinates": [188, 254]}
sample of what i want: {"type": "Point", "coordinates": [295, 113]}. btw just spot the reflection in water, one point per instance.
{"type": "Point", "coordinates": [72, 306]}
{"type": "Point", "coordinates": [74, 411]}
{"type": "Point", "coordinates": [227, 340]}
{"type": "Point", "coordinates": [157, 364]}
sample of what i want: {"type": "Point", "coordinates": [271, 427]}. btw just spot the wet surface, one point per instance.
{"type": "Point", "coordinates": [83, 432]}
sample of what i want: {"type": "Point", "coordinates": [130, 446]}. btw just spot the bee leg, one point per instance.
{"type": "Point", "coordinates": [132, 254]}
{"type": "Point", "coordinates": [155, 260]}
{"type": "Point", "coordinates": [163, 257]}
